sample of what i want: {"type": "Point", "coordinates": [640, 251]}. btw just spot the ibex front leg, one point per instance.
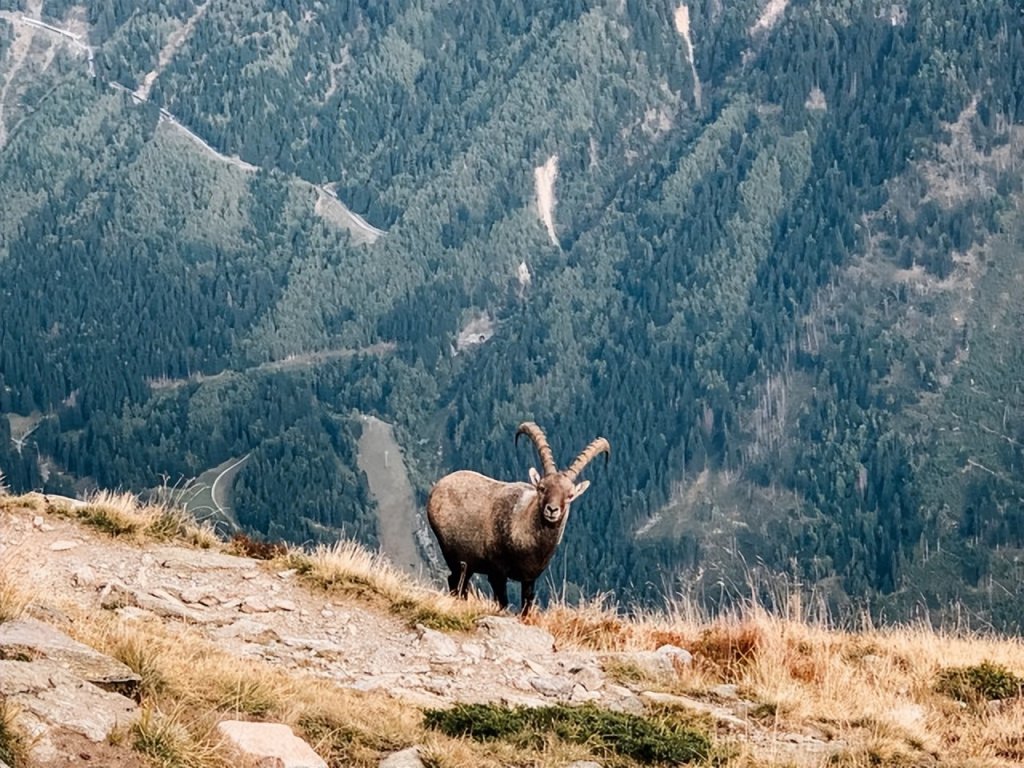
{"type": "Point", "coordinates": [528, 594]}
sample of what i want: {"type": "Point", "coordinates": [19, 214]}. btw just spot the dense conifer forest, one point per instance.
{"type": "Point", "coordinates": [780, 267]}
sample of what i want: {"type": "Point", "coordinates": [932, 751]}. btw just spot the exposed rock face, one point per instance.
{"type": "Point", "coordinates": [58, 683]}
{"type": "Point", "coordinates": [269, 745]}
{"type": "Point", "coordinates": [51, 698]}
{"type": "Point", "coordinates": [27, 639]}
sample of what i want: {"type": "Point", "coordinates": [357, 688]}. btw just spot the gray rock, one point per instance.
{"type": "Point", "coordinates": [583, 764]}
{"type": "Point", "coordinates": [34, 638]}
{"type": "Point", "coordinates": [552, 686]}
{"type": "Point", "coordinates": [248, 630]}
{"type": "Point", "coordinates": [62, 700]}
{"type": "Point", "coordinates": [581, 695]}
{"type": "Point", "coordinates": [437, 644]}
{"type": "Point", "coordinates": [511, 634]}
{"type": "Point", "coordinates": [205, 560]}
{"type": "Point", "coordinates": [254, 604]}
{"type": "Point", "coordinates": [661, 663]}
{"type": "Point", "coordinates": [117, 595]}
{"type": "Point", "coordinates": [200, 595]}
{"type": "Point", "coordinates": [721, 714]}
{"type": "Point", "coordinates": [407, 758]}
{"type": "Point", "coordinates": [83, 577]}
{"type": "Point", "coordinates": [63, 545]}
{"type": "Point", "coordinates": [589, 676]}
{"type": "Point", "coordinates": [269, 744]}
{"type": "Point", "coordinates": [726, 691]}
{"type": "Point", "coordinates": [631, 705]}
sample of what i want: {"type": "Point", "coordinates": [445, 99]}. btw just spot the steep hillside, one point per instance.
{"type": "Point", "coordinates": [131, 637]}
{"type": "Point", "coordinates": [773, 255]}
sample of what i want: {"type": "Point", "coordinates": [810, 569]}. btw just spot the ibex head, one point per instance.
{"type": "Point", "coordinates": [556, 490]}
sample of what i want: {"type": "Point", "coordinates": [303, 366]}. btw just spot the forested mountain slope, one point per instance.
{"type": "Point", "coordinates": [772, 251]}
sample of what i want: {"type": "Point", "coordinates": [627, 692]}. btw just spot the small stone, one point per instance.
{"type": "Point", "coordinates": [287, 574]}
{"type": "Point", "coordinates": [63, 545]}
{"type": "Point", "coordinates": [407, 758]}
{"type": "Point", "coordinates": [254, 605]}
{"type": "Point", "coordinates": [583, 764]}
{"type": "Point", "coordinates": [327, 613]}
{"type": "Point", "coordinates": [437, 644]}
{"type": "Point", "coordinates": [84, 576]}
{"type": "Point", "coordinates": [250, 575]}
{"type": "Point", "coordinates": [726, 691]}
{"type": "Point", "coordinates": [630, 705]}
{"type": "Point", "coordinates": [511, 635]}
{"type": "Point", "coordinates": [581, 695]}
{"type": "Point", "coordinates": [536, 668]}
{"type": "Point", "coordinates": [37, 521]}
{"type": "Point", "coordinates": [663, 662]}
{"type": "Point", "coordinates": [270, 744]}
{"type": "Point", "coordinates": [285, 605]}
{"type": "Point", "coordinates": [589, 677]}
{"type": "Point", "coordinates": [474, 652]}
{"type": "Point", "coordinates": [192, 595]}
{"type": "Point", "coordinates": [209, 601]}
{"type": "Point", "coordinates": [551, 686]}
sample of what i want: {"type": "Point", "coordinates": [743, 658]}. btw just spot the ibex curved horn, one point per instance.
{"type": "Point", "coordinates": [536, 434]}
{"type": "Point", "coordinates": [589, 453]}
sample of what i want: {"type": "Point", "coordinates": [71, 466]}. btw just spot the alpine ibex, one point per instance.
{"type": "Point", "coordinates": [506, 530]}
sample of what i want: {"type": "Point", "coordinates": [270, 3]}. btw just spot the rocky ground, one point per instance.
{"type": "Point", "coordinates": [252, 609]}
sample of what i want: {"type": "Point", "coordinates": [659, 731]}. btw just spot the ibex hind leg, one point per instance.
{"type": "Point", "coordinates": [499, 586]}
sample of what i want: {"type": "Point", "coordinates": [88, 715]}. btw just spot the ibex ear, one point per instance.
{"type": "Point", "coordinates": [578, 490]}
{"type": "Point", "coordinates": [534, 476]}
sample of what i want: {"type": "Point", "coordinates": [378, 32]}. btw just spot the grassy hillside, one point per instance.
{"type": "Point", "coordinates": [761, 691]}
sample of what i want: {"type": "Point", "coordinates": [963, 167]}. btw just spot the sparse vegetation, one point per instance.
{"type": "Point", "coordinates": [123, 514]}
{"type": "Point", "coordinates": [647, 740]}
{"type": "Point", "coordinates": [14, 592]}
{"type": "Point", "coordinates": [247, 546]}
{"type": "Point", "coordinates": [171, 740]}
{"type": "Point", "coordinates": [979, 683]}
{"type": "Point", "coordinates": [350, 569]}
{"type": "Point", "coordinates": [12, 740]}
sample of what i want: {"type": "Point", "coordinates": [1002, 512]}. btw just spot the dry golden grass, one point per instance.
{"type": "Point", "coordinates": [15, 590]}
{"type": "Point", "coordinates": [350, 569]}
{"type": "Point", "coordinates": [874, 690]}
{"type": "Point", "coordinates": [125, 515]}
{"type": "Point", "coordinates": [188, 684]}
{"type": "Point", "coordinates": [32, 502]}
{"type": "Point", "coordinates": [13, 741]}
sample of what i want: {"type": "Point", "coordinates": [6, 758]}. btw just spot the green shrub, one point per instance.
{"type": "Point", "coordinates": [647, 740]}
{"type": "Point", "coordinates": [981, 682]}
